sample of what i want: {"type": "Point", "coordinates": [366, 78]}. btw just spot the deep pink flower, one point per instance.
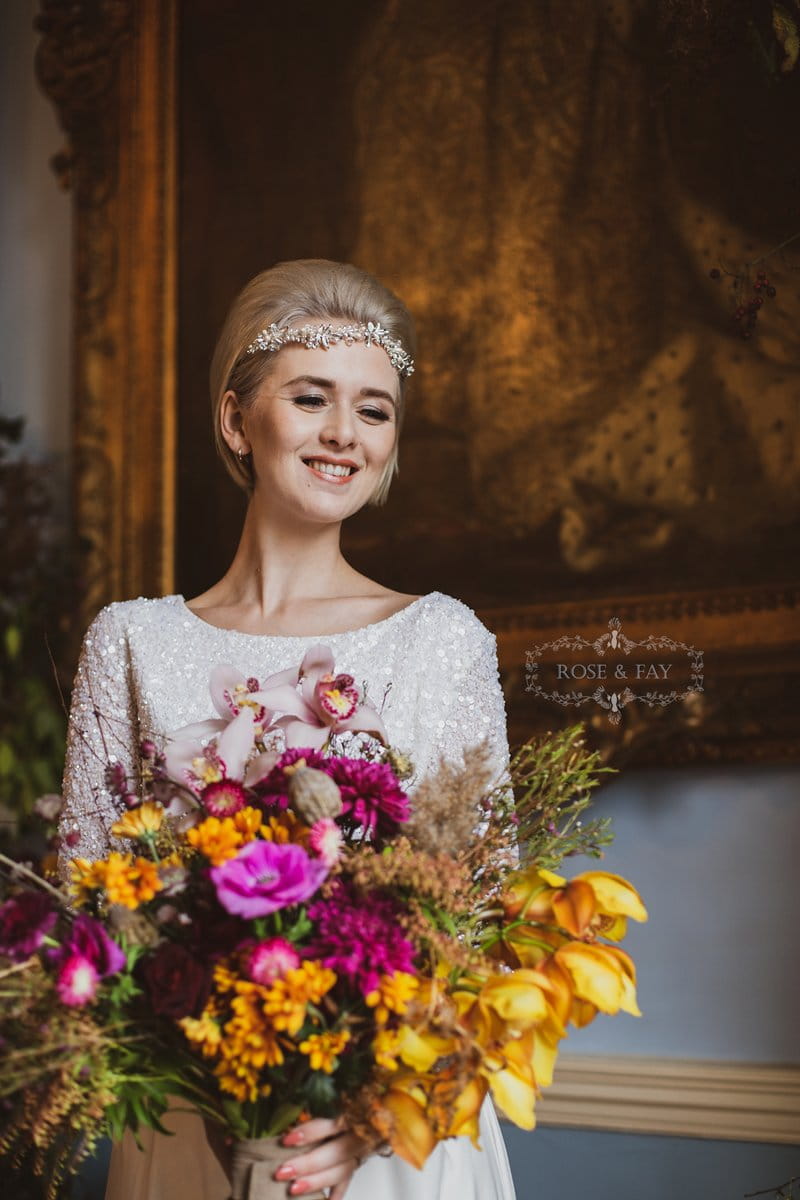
{"type": "Point", "coordinates": [359, 937]}
{"type": "Point", "coordinates": [77, 981]}
{"type": "Point", "coordinates": [224, 798]}
{"type": "Point", "coordinates": [89, 940]}
{"type": "Point", "coordinates": [264, 877]}
{"type": "Point", "coordinates": [24, 922]}
{"type": "Point", "coordinates": [326, 840]}
{"type": "Point", "coordinates": [372, 799]}
{"type": "Point", "coordinates": [270, 960]}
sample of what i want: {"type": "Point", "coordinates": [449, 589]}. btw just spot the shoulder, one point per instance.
{"type": "Point", "coordinates": [121, 617]}
{"type": "Point", "coordinates": [455, 622]}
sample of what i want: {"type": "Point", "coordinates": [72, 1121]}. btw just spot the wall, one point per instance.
{"type": "Point", "coordinates": [712, 849]}
{"type": "Point", "coordinates": [35, 247]}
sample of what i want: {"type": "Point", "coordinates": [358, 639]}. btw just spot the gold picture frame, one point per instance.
{"type": "Point", "coordinates": [111, 68]}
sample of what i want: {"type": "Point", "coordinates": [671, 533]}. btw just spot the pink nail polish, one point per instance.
{"type": "Point", "coordinates": [287, 1171]}
{"type": "Point", "coordinates": [298, 1188]}
{"type": "Point", "coordinates": [293, 1138]}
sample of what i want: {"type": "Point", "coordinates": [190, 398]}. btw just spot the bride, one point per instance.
{"type": "Point", "coordinates": [308, 389]}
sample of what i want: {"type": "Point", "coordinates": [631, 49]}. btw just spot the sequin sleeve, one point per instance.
{"type": "Point", "coordinates": [476, 707]}
{"type": "Point", "coordinates": [102, 729]}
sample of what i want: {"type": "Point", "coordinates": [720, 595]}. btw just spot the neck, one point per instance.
{"type": "Point", "coordinates": [279, 563]}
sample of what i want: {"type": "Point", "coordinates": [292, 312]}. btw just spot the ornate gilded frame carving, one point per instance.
{"type": "Point", "coordinates": [110, 68]}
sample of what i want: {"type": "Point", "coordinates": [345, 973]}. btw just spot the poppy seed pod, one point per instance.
{"type": "Point", "coordinates": [314, 795]}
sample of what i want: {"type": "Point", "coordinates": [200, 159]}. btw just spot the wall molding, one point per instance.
{"type": "Point", "coordinates": [680, 1097]}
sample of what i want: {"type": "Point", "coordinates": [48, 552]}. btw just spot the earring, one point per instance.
{"type": "Point", "coordinates": [241, 454]}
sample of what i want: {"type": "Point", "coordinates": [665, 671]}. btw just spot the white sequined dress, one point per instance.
{"type": "Point", "coordinates": [143, 672]}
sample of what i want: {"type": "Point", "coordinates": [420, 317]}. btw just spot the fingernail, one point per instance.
{"type": "Point", "coordinates": [298, 1188]}
{"type": "Point", "coordinates": [287, 1171]}
{"type": "Point", "coordinates": [293, 1138]}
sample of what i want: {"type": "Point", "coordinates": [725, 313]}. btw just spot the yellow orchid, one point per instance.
{"type": "Point", "coordinates": [512, 1081]}
{"type": "Point", "coordinates": [466, 1110]}
{"type": "Point", "coordinates": [615, 900]}
{"type": "Point", "coordinates": [403, 1122]}
{"type": "Point", "coordinates": [518, 998]}
{"type": "Point", "coordinates": [528, 894]}
{"type": "Point", "coordinates": [420, 1050]}
{"type": "Point", "coordinates": [602, 975]}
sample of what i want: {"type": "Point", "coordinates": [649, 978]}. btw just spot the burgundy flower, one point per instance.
{"type": "Point", "coordinates": [264, 877]}
{"type": "Point", "coordinates": [178, 984]}
{"type": "Point", "coordinates": [24, 921]}
{"type": "Point", "coordinates": [359, 937]}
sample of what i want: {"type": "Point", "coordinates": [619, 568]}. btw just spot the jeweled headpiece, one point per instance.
{"type": "Point", "coordinates": [316, 336]}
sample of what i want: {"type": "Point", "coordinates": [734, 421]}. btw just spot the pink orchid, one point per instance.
{"type": "Point", "coordinates": [326, 703]}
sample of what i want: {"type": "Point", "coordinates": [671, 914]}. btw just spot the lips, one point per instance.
{"type": "Point", "coordinates": [330, 476]}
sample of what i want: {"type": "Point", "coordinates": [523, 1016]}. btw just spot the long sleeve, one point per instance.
{"type": "Point", "coordinates": [102, 729]}
{"type": "Point", "coordinates": [476, 707]}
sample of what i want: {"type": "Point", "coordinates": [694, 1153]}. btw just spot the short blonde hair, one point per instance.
{"type": "Point", "coordinates": [289, 293]}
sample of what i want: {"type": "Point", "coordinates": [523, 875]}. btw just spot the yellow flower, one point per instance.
{"type": "Point", "coordinates": [615, 901]}
{"type": "Point", "coordinates": [247, 821]}
{"type": "Point", "coordinates": [322, 1049]}
{"type": "Point", "coordinates": [512, 1082]}
{"type": "Point", "coordinates": [140, 822]}
{"type": "Point", "coordinates": [603, 976]}
{"type": "Point", "coordinates": [403, 1121]}
{"type": "Point", "coordinates": [518, 998]}
{"type": "Point", "coordinates": [85, 878]}
{"type": "Point", "coordinates": [392, 995]}
{"type": "Point", "coordinates": [286, 1000]}
{"type": "Point", "coordinates": [420, 1049]}
{"type": "Point", "coordinates": [285, 827]}
{"type": "Point", "coordinates": [125, 880]}
{"type": "Point", "coordinates": [384, 1048]}
{"type": "Point", "coordinates": [204, 1032]}
{"type": "Point", "coordinates": [216, 838]}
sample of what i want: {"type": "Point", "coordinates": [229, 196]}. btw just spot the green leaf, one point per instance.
{"type": "Point", "coordinates": [13, 641]}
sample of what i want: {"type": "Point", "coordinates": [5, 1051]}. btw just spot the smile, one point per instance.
{"type": "Point", "coordinates": [329, 471]}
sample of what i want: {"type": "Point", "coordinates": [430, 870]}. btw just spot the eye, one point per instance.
{"type": "Point", "coordinates": [315, 401]}
{"type": "Point", "coordinates": [375, 414]}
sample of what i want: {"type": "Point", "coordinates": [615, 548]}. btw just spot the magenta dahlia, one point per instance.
{"type": "Point", "coordinates": [372, 799]}
{"type": "Point", "coordinates": [359, 937]}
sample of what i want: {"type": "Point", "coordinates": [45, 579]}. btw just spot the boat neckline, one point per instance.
{"type": "Point", "coordinates": [302, 637]}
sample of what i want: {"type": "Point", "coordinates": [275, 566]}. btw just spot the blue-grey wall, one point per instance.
{"type": "Point", "coordinates": [566, 1164]}
{"type": "Point", "coordinates": [713, 851]}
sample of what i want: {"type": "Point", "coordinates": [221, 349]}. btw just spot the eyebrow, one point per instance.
{"type": "Point", "coordinates": [329, 383]}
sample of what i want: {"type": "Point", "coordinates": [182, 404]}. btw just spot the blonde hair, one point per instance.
{"type": "Point", "coordinates": [289, 293]}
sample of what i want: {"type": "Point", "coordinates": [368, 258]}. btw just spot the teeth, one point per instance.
{"type": "Point", "coordinates": [328, 468]}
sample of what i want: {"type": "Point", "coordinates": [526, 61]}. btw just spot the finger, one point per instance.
{"type": "Point", "coordinates": [314, 1130]}
{"type": "Point", "coordinates": [335, 1177]}
{"type": "Point", "coordinates": [341, 1149]}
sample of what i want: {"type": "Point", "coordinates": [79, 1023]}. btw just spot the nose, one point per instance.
{"type": "Point", "coordinates": [340, 427]}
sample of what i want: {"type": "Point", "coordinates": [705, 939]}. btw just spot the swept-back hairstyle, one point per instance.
{"type": "Point", "coordinates": [293, 293]}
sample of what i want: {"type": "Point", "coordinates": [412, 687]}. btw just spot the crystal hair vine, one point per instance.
{"type": "Point", "coordinates": [314, 337]}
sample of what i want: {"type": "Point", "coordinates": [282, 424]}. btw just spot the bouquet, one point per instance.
{"type": "Point", "coordinates": [281, 932]}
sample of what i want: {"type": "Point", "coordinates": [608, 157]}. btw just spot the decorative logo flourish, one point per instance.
{"type": "Point", "coordinates": [614, 660]}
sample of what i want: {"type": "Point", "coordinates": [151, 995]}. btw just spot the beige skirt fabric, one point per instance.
{"type": "Point", "coordinates": [183, 1167]}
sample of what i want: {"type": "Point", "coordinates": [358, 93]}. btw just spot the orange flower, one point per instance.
{"type": "Point", "coordinates": [125, 880]}
{"type": "Point", "coordinates": [322, 1049]}
{"type": "Point", "coordinates": [221, 838]}
{"type": "Point", "coordinates": [286, 1000]}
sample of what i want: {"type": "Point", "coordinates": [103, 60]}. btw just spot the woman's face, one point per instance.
{"type": "Point", "coordinates": [317, 412]}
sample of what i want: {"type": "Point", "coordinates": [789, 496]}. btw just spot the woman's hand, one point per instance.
{"type": "Point", "coordinates": [330, 1162]}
